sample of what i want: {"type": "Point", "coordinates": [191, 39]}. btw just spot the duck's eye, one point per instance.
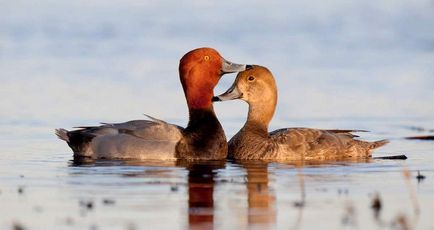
{"type": "Point", "coordinates": [206, 58]}
{"type": "Point", "coordinates": [251, 78]}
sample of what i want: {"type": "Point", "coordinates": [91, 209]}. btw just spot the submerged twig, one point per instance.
{"type": "Point", "coordinates": [17, 226]}
{"type": "Point", "coordinates": [401, 222]}
{"type": "Point", "coordinates": [420, 177]}
{"type": "Point", "coordinates": [413, 197]}
{"type": "Point", "coordinates": [426, 138]}
{"type": "Point", "coordinates": [300, 204]}
{"type": "Point", "coordinates": [393, 157]}
{"type": "Point", "coordinates": [350, 217]}
{"type": "Point", "coordinates": [376, 205]}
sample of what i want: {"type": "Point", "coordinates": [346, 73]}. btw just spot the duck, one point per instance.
{"type": "Point", "coordinates": [257, 87]}
{"type": "Point", "coordinates": [203, 138]}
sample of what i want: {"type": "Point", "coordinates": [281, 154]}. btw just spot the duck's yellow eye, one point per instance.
{"type": "Point", "coordinates": [206, 58]}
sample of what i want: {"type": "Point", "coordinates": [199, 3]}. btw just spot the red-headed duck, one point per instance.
{"type": "Point", "coordinates": [257, 87]}
{"type": "Point", "coordinates": [199, 70]}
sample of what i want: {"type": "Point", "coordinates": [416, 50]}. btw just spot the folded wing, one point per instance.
{"type": "Point", "coordinates": [305, 143]}
{"type": "Point", "coordinates": [137, 139]}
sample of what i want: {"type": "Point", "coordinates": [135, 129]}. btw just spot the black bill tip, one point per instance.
{"type": "Point", "coordinates": [215, 99]}
{"type": "Point", "coordinates": [249, 67]}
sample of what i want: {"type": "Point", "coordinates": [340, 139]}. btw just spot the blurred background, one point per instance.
{"type": "Point", "coordinates": [338, 64]}
{"type": "Point", "coordinates": [68, 63]}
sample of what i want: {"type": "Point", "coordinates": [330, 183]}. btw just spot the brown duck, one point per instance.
{"type": "Point", "coordinates": [257, 87]}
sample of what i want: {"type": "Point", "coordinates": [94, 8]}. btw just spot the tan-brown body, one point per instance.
{"type": "Point", "coordinates": [257, 87]}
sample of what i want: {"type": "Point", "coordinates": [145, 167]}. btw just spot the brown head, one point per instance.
{"type": "Point", "coordinates": [257, 87]}
{"type": "Point", "coordinates": [200, 70]}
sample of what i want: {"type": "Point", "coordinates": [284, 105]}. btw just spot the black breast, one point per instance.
{"type": "Point", "coordinates": [203, 138]}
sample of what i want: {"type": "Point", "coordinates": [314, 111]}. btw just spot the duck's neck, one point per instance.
{"type": "Point", "coordinates": [202, 119]}
{"type": "Point", "coordinates": [260, 115]}
{"type": "Point", "coordinates": [204, 137]}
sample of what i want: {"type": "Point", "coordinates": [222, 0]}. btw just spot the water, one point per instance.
{"type": "Point", "coordinates": [56, 191]}
{"type": "Point", "coordinates": [357, 65]}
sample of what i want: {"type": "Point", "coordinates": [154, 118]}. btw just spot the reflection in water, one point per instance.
{"type": "Point", "coordinates": [198, 177]}
{"type": "Point", "coordinates": [261, 200]}
{"type": "Point", "coordinates": [200, 183]}
{"type": "Point", "coordinates": [200, 193]}
{"type": "Point", "coordinates": [86, 161]}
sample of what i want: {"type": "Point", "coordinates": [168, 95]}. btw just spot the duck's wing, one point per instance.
{"type": "Point", "coordinates": [296, 138]}
{"type": "Point", "coordinates": [323, 144]}
{"type": "Point", "coordinates": [137, 139]}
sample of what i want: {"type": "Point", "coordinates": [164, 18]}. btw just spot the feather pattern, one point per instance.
{"type": "Point", "coordinates": [300, 144]}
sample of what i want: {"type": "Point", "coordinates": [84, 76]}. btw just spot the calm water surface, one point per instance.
{"type": "Point", "coordinates": [41, 187]}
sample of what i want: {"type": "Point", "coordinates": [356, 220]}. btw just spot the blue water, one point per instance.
{"type": "Point", "coordinates": [338, 64]}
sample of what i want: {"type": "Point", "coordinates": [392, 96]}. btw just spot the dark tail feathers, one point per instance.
{"type": "Point", "coordinates": [62, 134]}
{"type": "Point", "coordinates": [377, 144]}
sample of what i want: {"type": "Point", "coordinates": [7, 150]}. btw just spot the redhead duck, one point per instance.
{"type": "Point", "coordinates": [257, 87]}
{"type": "Point", "coordinates": [203, 138]}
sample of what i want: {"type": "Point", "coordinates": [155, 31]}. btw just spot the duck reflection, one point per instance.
{"type": "Point", "coordinates": [201, 192]}
{"type": "Point", "coordinates": [200, 182]}
{"type": "Point", "coordinates": [260, 198]}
